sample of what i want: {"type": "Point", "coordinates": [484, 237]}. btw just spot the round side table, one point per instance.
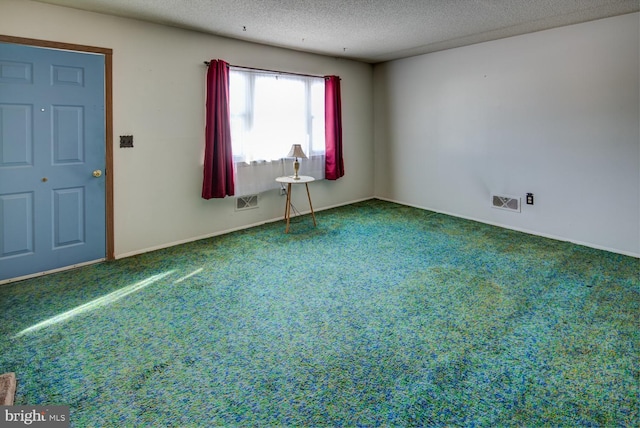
{"type": "Point", "coordinates": [289, 180]}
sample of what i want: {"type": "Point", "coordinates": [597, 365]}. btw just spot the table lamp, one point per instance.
{"type": "Point", "coordinates": [296, 152]}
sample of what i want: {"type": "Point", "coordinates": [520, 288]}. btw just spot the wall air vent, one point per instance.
{"type": "Point", "coordinates": [509, 203]}
{"type": "Point", "coordinates": [246, 202]}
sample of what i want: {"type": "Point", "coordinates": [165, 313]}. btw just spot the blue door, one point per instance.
{"type": "Point", "coordinates": [52, 159]}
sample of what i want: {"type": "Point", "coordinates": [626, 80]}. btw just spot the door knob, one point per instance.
{"type": "Point", "coordinates": [97, 173]}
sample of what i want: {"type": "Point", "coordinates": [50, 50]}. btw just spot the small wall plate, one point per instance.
{"type": "Point", "coordinates": [126, 141]}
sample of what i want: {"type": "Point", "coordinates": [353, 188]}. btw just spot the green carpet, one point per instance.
{"type": "Point", "coordinates": [383, 315]}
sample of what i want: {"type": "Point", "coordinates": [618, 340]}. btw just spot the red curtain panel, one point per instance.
{"type": "Point", "coordinates": [218, 159]}
{"type": "Point", "coordinates": [334, 164]}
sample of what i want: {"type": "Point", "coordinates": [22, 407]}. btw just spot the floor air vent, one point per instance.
{"type": "Point", "coordinates": [246, 202]}
{"type": "Point", "coordinates": [509, 203]}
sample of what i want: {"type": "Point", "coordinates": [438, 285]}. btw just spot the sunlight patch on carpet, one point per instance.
{"type": "Point", "coordinates": [195, 272]}
{"type": "Point", "coordinates": [102, 301]}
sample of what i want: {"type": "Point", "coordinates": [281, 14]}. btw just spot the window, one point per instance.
{"type": "Point", "coordinates": [269, 113]}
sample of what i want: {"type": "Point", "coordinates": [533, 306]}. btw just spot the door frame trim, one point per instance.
{"type": "Point", "coordinates": [108, 105]}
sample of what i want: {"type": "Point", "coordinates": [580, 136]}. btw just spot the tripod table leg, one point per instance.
{"type": "Point", "coordinates": [287, 209]}
{"type": "Point", "coordinates": [310, 206]}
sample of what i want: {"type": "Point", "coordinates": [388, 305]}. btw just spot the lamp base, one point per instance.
{"type": "Point", "coordinates": [296, 167]}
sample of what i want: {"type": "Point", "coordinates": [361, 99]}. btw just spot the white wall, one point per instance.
{"type": "Point", "coordinates": [555, 113]}
{"type": "Point", "coordinates": [158, 92]}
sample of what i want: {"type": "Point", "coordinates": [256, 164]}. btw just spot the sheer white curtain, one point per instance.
{"type": "Point", "coordinates": [269, 113]}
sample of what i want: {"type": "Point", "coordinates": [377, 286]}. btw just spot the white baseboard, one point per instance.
{"type": "Point", "coordinates": [224, 232]}
{"type": "Point", "coordinates": [517, 229]}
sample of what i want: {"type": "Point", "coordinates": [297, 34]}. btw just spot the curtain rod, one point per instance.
{"type": "Point", "coordinates": [269, 71]}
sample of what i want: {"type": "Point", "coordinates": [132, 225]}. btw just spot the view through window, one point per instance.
{"type": "Point", "coordinates": [269, 113]}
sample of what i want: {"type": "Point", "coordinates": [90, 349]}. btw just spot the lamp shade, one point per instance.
{"type": "Point", "coordinates": [296, 152]}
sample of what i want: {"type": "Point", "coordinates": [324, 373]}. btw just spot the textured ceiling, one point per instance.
{"type": "Point", "coordinates": [366, 30]}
